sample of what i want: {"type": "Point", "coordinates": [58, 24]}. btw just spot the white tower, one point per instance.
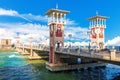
{"type": "Point", "coordinates": [97, 27]}
{"type": "Point", "coordinates": [56, 22]}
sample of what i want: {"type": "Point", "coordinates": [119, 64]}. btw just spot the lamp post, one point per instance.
{"type": "Point", "coordinates": [107, 46]}
{"type": "Point", "coordinates": [85, 41]}
{"type": "Point", "coordinates": [89, 33]}
{"type": "Point", "coordinates": [70, 35]}
{"type": "Point", "coordinates": [31, 46]}
{"type": "Point", "coordinates": [23, 46]}
{"type": "Point", "coordinates": [17, 41]}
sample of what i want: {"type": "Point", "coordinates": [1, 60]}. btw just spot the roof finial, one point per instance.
{"type": "Point", "coordinates": [56, 6]}
{"type": "Point", "coordinates": [97, 13]}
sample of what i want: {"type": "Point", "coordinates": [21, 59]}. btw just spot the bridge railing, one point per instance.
{"type": "Point", "coordinates": [76, 51]}
{"type": "Point", "coordinates": [68, 50]}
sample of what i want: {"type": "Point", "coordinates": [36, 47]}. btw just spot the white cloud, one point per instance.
{"type": "Point", "coordinates": [35, 17]}
{"type": "Point", "coordinates": [8, 12]}
{"type": "Point", "coordinates": [114, 42]}
{"type": "Point", "coordinates": [4, 33]}
{"type": "Point", "coordinates": [29, 17]}
{"type": "Point", "coordinates": [70, 22]}
{"type": "Point", "coordinates": [78, 33]}
{"type": "Point", "coordinates": [37, 31]}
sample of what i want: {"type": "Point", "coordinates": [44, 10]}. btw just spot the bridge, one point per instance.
{"type": "Point", "coordinates": [66, 58]}
{"type": "Point", "coordinates": [106, 56]}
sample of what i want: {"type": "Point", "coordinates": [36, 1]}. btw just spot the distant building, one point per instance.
{"type": "Point", "coordinates": [5, 44]}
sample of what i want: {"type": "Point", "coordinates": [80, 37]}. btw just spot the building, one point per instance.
{"type": "Point", "coordinates": [5, 44]}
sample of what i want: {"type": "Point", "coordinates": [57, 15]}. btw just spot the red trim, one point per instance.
{"type": "Point", "coordinates": [51, 34]}
{"type": "Point", "coordinates": [51, 55]}
{"type": "Point", "coordinates": [93, 33]}
{"type": "Point", "coordinates": [58, 34]}
{"type": "Point", "coordinates": [92, 28]}
{"type": "Point", "coordinates": [59, 25]}
{"type": "Point", "coordinates": [101, 34]}
{"type": "Point", "coordinates": [93, 36]}
{"type": "Point", "coordinates": [101, 28]}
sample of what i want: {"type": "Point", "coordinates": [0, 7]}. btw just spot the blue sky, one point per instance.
{"type": "Point", "coordinates": [28, 16]}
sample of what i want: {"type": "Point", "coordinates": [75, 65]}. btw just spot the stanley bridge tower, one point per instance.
{"type": "Point", "coordinates": [97, 27]}
{"type": "Point", "coordinates": [56, 22]}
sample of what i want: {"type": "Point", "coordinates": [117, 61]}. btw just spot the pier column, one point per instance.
{"type": "Point", "coordinates": [112, 54]}
{"type": "Point", "coordinates": [33, 54]}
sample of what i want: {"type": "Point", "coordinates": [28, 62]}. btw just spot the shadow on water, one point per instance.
{"type": "Point", "coordinates": [17, 67]}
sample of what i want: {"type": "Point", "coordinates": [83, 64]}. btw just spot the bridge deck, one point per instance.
{"type": "Point", "coordinates": [103, 55]}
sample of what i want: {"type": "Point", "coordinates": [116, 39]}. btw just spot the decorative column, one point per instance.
{"type": "Point", "coordinates": [64, 19]}
{"type": "Point", "coordinates": [102, 22]}
{"type": "Point", "coordinates": [57, 17]}
{"type": "Point", "coordinates": [61, 18]}
{"type": "Point", "coordinates": [105, 23]}
{"type": "Point", "coordinates": [97, 23]}
{"type": "Point", "coordinates": [94, 23]}
{"type": "Point", "coordinates": [53, 19]}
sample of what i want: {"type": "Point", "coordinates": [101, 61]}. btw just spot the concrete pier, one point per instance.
{"type": "Point", "coordinates": [65, 66]}
{"type": "Point", "coordinates": [34, 56]}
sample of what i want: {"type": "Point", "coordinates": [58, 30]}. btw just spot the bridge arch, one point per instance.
{"type": "Point", "coordinates": [101, 45]}
{"type": "Point", "coordinates": [94, 45]}
{"type": "Point", "coordinates": [59, 44]}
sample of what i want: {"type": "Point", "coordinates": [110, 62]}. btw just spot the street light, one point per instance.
{"type": "Point", "coordinates": [89, 33]}
{"type": "Point", "coordinates": [31, 38]}
{"type": "Point", "coordinates": [107, 46]}
{"type": "Point", "coordinates": [17, 41]}
{"type": "Point", "coordinates": [69, 35]}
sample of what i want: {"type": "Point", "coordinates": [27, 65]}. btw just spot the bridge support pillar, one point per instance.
{"type": "Point", "coordinates": [25, 52]}
{"type": "Point", "coordinates": [56, 64]}
{"type": "Point", "coordinates": [34, 56]}
{"type": "Point", "coordinates": [71, 63]}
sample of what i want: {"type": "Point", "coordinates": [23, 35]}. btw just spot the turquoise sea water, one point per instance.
{"type": "Point", "coordinates": [14, 66]}
{"type": "Point", "coordinates": [9, 59]}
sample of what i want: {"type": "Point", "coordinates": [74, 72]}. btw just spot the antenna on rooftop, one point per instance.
{"type": "Point", "coordinates": [97, 13]}
{"type": "Point", "coordinates": [56, 6]}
